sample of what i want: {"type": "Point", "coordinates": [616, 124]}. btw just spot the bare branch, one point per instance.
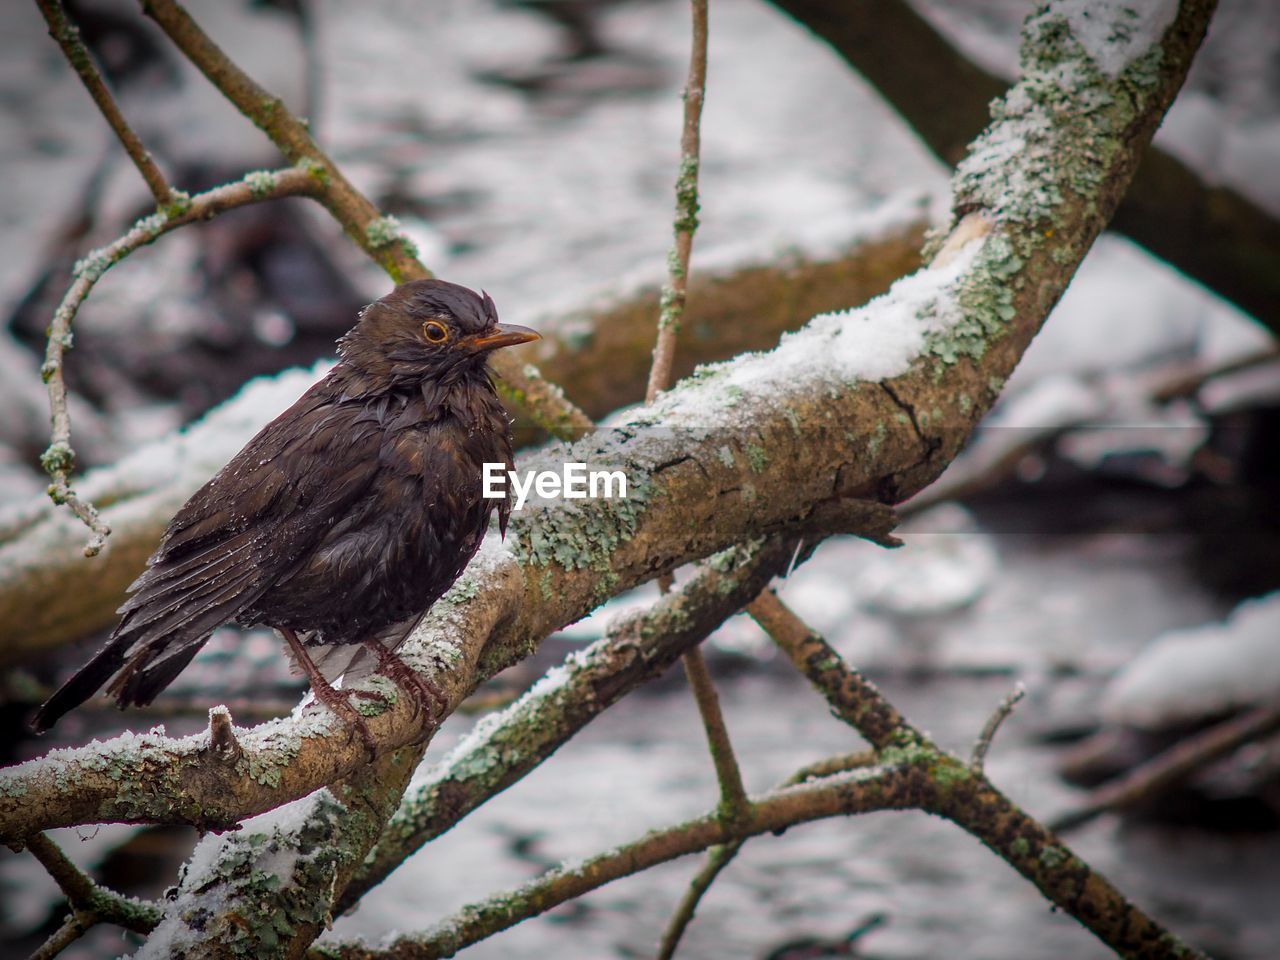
{"type": "Point", "coordinates": [90, 903]}
{"type": "Point", "coordinates": [963, 795]}
{"type": "Point", "coordinates": [1187, 383]}
{"type": "Point", "coordinates": [733, 797]}
{"type": "Point", "coordinates": [699, 480]}
{"type": "Point", "coordinates": [59, 459]}
{"type": "Point", "coordinates": [855, 699]}
{"type": "Point", "coordinates": [72, 929]}
{"type": "Point", "coordinates": [516, 741]}
{"type": "Point", "coordinates": [1174, 766]}
{"type": "Point", "coordinates": [77, 888]}
{"type": "Point", "coordinates": [722, 855]}
{"type": "Point", "coordinates": [686, 222]}
{"type": "Point", "coordinates": [978, 758]}
{"type": "Point", "coordinates": [67, 34]}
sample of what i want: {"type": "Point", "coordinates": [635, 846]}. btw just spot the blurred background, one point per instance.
{"type": "Point", "coordinates": [1110, 540]}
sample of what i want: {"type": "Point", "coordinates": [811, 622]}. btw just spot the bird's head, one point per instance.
{"type": "Point", "coordinates": [427, 329]}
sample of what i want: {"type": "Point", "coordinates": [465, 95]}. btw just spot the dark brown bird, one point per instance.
{"type": "Point", "coordinates": [342, 521]}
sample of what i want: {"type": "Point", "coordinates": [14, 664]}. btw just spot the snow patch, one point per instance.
{"type": "Point", "coordinates": [1188, 675]}
{"type": "Point", "coordinates": [1114, 33]}
{"type": "Point", "coordinates": [869, 343]}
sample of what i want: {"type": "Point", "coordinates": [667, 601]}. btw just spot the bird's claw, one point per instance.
{"type": "Point", "coordinates": [422, 691]}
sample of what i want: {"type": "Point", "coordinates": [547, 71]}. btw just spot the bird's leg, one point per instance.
{"type": "Point", "coordinates": [337, 702]}
{"type": "Point", "coordinates": [423, 690]}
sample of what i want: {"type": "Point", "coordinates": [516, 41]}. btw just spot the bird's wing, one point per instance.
{"type": "Point", "coordinates": [230, 542]}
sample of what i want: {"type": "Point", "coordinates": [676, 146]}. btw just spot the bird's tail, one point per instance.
{"type": "Point", "coordinates": [82, 685]}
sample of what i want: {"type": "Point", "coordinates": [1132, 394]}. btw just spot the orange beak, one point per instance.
{"type": "Point", "coordinates": [503, 335]}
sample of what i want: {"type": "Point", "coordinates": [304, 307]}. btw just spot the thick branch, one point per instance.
{"type": "Point", "coordinates": [49, 596]}
{"type": "Point", "coordinates": [1211, 233]}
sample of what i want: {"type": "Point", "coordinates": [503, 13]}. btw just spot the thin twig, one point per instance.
{"type": "Point", "coordinates": [978, 758]}
{"type": "Point", "coordinates": [73, 928]}
{"type": "Point", "coordinates": [733, 796]}
{"type": "Point", "coordinates": [67, 34]}
{"type": "Point", "coordinates": [674, 292]}
{"type": "Point", "coordinates": [75, 886]}
{"type": "Point", "coordinates": [718, 857]}
{"type": "Point", "coordinates": [722, 855]}
{"type": "Point", "coordinates": [59, 459]}
{"type": "Point", "coordinates": [860, 704]}
{"type": "Point", "coordinates": [1173, 766]}
{"type": "Point", "coordinates": [671, 308]}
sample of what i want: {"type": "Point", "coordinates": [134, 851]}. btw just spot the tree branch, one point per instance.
{"type": "Point", "coordinates": [67, 35]}
{"type": "Point", "coordinates": [59, 459]}
{"type": "Point", "coordinates": [961, 793]}
{"type": "Point", "coordinates": [379, 236]}
{"type": "Point", "coordinates": [1039, 186]}
{"type": "Point", "coordinates": [89, 902]}
{"type": "Point", "coordinates": [1174, 766]}
{"type": "Point", "coordinates": [49, 596]}
{"type": "Point", "coordinates": [721, 855]}
{"type": "Point", "coordinates": [1211, 233]}
{"type": "Point", "coordinates": [697, 475]}
{"type": "Point", "coordinates": [733, 797]}
{"type": "Point", "coordinates": [842, 794]}
{"type": "Point", "coordinates": [1002, 712]}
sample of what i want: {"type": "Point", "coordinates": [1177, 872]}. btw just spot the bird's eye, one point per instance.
{"type": "Point", "coordinates": [435, 332]}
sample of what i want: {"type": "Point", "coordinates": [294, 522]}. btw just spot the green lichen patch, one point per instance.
{"type": "Point", "coordinates": [582, 534]}
{"type": "Point", "coordinates": [261, 183]}
{"type": "Point", "coordinates": [1054, 135]}
{"type": "Point", "coordinates": [386, 230]}
{"type": "Point", "coordinates": [268, 883]}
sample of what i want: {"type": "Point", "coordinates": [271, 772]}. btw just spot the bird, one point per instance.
{"type": "Point", "coordinates": [341, 522]}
